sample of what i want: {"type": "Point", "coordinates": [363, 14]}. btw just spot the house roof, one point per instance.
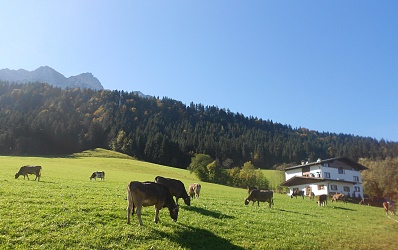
{"type": "Point", "coordinates": [300, 180]}
{"type": "Point", "coordinates": [351, 163]}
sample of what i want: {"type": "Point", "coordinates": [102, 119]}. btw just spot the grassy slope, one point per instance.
{"type": "Point", "coordinates": [67, 211]}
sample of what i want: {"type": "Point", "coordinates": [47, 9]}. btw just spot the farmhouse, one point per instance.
{"type": "Point", "coordinates": [331, 176]}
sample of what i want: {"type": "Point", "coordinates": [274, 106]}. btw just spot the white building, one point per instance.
{"type": "Point", "coordinates": [336, 175]}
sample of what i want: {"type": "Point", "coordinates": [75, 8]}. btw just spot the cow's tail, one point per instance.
{"type": "Point", "coordinates": [129, 195]}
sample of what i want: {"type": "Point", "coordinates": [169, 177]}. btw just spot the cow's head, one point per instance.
{"type": "Point", "coordinates": [174, 213]}
{"type": "Point", "coordinates": [16, 175]}
{"type": "Point", "coordinates": [246, 201]}
{"type": "Point", "coordinates": [187, 201]}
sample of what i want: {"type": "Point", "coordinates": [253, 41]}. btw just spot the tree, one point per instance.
{"type": "Point", "coordinates": [199, 166]}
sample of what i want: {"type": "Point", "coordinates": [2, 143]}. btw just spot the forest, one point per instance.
{"type": "Point", "coordinates": [218, 145]}
{"type": "Point", "coordinates": [37, 118]}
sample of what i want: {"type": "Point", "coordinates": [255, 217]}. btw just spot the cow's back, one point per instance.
{"type": "Point", "coordinates": [149, 193]}
{"type": "Point", "coordinates": [176, 187]}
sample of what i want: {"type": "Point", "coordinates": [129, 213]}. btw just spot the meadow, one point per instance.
{"type": "Point", "coordinates": [65, 210]}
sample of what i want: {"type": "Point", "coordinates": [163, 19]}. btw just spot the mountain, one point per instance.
{"type": "Point", "coordinates": [51, 76]}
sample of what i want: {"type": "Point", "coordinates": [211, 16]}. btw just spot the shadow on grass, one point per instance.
{"type": "Point", "coordinates": [288, 211]}
{"type": "Point", "coordinates": [343, 208]}
{"type": "Point", "coordinates": [206, 212]}
{"type": "Point", "coordinates": [197, 238]}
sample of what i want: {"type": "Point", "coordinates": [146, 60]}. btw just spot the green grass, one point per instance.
{"type": "Point", "coordinates": [67, 211]}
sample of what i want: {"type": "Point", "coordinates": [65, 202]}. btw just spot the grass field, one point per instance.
{"type": "Point", "coordinates": [67, 211]}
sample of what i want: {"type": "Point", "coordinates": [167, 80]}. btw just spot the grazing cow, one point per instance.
{"type": "Point", "coordinates": [341, 197]}
{"type": "Point", "coordinates": [260, 195]}
{"type": "Point", "coordinates": [176, 188]}
{"type": "Point", "coordinates": [144, 194]}
{"type": "Point", "coordinates": [389, 207]}
{"type": "Point", "coordinates": [297, 193]}
{"type": "Point", "coordinates": [322, 200]}
{"type": "Point", "coordinates": [249, 189]}
{"type": "Point", "coordinates": [312, 196]}
{"type": "Point", "coordinates": [98, 174]}
{"type": "Point", "coordinates": [194, 190]}
{"type": "Point", "coordinates": [25, 170]}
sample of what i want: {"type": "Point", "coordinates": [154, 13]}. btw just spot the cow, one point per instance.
{"type": "Point", "coordinates": [176, 188]}
{"type": "Point", "coordinates": [297, 193]}
{"type": "Point", "coordinates": [144, 194]}
{"type": "Point", "coordinates": [25, 170]}
{"type": "Point", "coordinates": [322, 200]}
{"type": "Point", "coordinates": [312, 196]}
{"type": "Point", "coordinates": [339, 197]}
{"type": "Point", "coordinates": [260, 195]}
{"type": "Point", "coordinates": [389, 207]}
{"type": "Point", "coordinates": [194, 190]}
{"type": "Point", "coordinates": [97, 174]}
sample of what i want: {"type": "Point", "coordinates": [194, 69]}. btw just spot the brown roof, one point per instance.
{"type": "Point", "coordinates": [300, 180]}
{"type": "Point", "coordinates": [353, 164]}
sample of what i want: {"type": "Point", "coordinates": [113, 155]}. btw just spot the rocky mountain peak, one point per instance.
{"type": "Point", "coordinates": [49, 75]}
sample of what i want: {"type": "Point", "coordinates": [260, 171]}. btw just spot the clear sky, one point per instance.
{"type": "Point", "coordinates": [324, 65]}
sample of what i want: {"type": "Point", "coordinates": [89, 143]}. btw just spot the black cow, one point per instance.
{"type": "Point", "coordinates": [322, 200]}
{"type": "Point", "coordinates": [176, 188]}
{"type": "Point", "coordinates": [260, 195]}
{"type": "Point", "coordinates": [25, 170]}
{"type": "Point", "coordinates": [297, 193]}
{"type": "Point", "coordinates": [143, 194]}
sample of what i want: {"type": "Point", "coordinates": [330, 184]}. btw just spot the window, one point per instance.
{"type": "Point", "coordinates": [341, 171]}
{"type": "Point", "coordinates": [326, 165]}
{"type": "Point", "coordinates": [333, 187]}
{"type": "Point", "coordinates": [356, 178]}
{"type": "Point", "coordinates": [346, 189]}
{"type": "Point", "coordinates": [357, 189]}
{"type": "Point", "coordinates": [321, 187]}
{"type": "Point", "coordinates": [327, 175]}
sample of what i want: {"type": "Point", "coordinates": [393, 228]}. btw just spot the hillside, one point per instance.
{"type": "Point", "coordinates": [65, 210]}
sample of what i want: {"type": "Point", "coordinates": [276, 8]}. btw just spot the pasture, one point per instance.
{"type": "Point", "coordinates": [67, 211]}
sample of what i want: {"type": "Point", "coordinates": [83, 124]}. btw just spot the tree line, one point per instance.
{"type": "Point", "coordinates": [37, 118]}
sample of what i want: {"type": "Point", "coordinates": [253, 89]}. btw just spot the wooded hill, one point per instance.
{"type": "Point", "coordinates": [40, 119]}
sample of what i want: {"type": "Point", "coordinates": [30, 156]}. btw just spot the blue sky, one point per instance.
{"type": "Point", "coordinates": [324, 65]}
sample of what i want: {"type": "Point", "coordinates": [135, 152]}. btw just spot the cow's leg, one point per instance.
{"type": "Point", "coordinates": [156, 220]}
{"type": "Point", "coordinates": [258, 203]}
{"type": "Point", "coordinates": [139, 214]}
{"type": "Point", "coordinates": [128, 214]}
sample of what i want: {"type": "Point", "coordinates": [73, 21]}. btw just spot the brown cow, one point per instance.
{"type": "Point", "coordinates": [145, 194]}
{"type": "Point", "coordinates": [389, 207]}
{"type": "Point", "coordinates": [322, 200]}
{"type": "Point", "coordinates": [194, 190]}
{"type": "Point", "coordinates": [176, 188]}
{"type": "Point", "coordinates": [260, 195]}
{"type": "Point", "coordinates": [25, 170]}
{"type": "Point", "coordinates": [341, 197]}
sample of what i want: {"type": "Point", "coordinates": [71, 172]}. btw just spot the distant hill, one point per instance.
{"type": "Point", "coordinates": [48, 75]}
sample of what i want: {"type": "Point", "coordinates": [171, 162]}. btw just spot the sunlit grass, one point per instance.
{"type": "Point", "coordinates": [65, 210]}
